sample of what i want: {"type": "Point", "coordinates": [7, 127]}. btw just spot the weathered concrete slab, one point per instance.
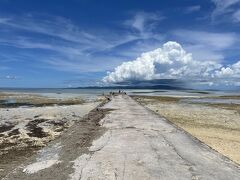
{"type": "Point", "coordinates": [141, 145]}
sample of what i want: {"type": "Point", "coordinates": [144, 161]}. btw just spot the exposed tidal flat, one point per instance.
{"type": "Point", "coordinates": [213, 119]}
{"type": "Point", "coordinates": [28, 121]}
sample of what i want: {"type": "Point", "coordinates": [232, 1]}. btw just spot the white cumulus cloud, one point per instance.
{"type": "Point", "coordinates": [232, 71]}
{"type": "Point", "coordinates": [173, 62]}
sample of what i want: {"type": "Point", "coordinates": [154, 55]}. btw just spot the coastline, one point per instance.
{"type": "Point", "coordinates": [111, 135]}
{"type": "Point", "coordinates": [49, 122]}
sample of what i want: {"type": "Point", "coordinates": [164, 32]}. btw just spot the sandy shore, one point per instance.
{"type": "Point", "coordinates": [55, 160]}
{"type": "Point", "coordinates": [31, 121]}
{"type": "Point", "coordinates": [216, 124]}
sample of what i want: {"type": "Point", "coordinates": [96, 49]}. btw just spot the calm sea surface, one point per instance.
{"type": "Point", "coordinates": [96, 92]}
{"type": "Point", "coordinates": [188, 96]}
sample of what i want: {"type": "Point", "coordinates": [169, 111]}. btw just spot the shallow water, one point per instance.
{"type": "Point", "coordinates": [57, 92]}
{"type": "Point", "coordinates": [212, 101]}
{"type": "Point", "coordinates": [90, 95]}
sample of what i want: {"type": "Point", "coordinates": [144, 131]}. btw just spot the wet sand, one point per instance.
{"type": "Point", "coordinates": [216, 124]}
{"type": "Point", "coordinates": [10, 100]}
{"type": "Point", "coordinates": [55, 160]}
{"type": "Point", "coordinates": [32, 121]}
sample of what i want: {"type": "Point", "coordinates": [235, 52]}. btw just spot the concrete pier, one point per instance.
{"type": "Point", "coordinates": [139, 144]}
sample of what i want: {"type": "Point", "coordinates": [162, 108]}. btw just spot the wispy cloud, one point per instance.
{"type": "Point", "coordinates": [144, 22]}
{"type": "Point", "coordinates": [68, 47]}
{"type": "Point", "coordinates": [217, 41]}
{"type": "Point", "coordinates": [2, 68]}
{"type": "Point", "coordinates": [9, 77]}
{"type": "Point", "coordinates": [64, 29]}
{"type": "Point", "coordinates": [192, 9]}
{"type": "Point", "coordinates": [207, 45]}
{"type": "Point", "coordinates": [49, 25]}
{"type": "Point", "coordinates": [225, 8]}
{"type": "Point", "coordinates": [236, 16]}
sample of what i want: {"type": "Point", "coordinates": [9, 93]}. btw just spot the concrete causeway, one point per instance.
{"type": "Point", "coordinates": [138, 144]}
{"type": "Point", "coordinates": [135, 144]}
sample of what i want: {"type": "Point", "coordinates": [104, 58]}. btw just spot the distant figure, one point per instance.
{"type": "Point", "coordinates": [119, 91]}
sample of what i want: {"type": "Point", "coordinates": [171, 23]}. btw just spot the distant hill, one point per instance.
{"type": "Point", "coordinates": [165, 87]}
{"type": "Point", "coordinates": [165, 84]}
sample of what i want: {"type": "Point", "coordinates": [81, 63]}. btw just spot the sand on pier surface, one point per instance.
{"type": "Point", "coordinates": [216, 124]}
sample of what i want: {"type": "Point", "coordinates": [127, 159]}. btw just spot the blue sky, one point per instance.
{"type": "Point", "coordinates": [70, 43]}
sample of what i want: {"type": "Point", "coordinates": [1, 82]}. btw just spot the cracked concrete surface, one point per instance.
{"type": "Point", "coordinates": [141, 145]}
{"type": "Point", "coordinates": [134, 143]}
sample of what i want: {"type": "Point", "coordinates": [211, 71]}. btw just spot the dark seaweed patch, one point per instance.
{"type": "Point", "coordinates": [5, 127]}
{"type": "Point", "coordinates": [57, 123]}
{"type": "Point", "coordinates": [37, 121]}
{"type": "Point", "coordinates": [36, 131]}
{"type": "Point", "coordinates": [14, 105]}
{"type": "Point", "coordinates": [36, 116]}
{"type": "Point", "coordinates": [14, 132]}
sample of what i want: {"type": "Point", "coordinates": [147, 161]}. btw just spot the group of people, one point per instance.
{"type": "Point", "coordinates": [112, 93]}
{"type": "Point", "coordinates": [115, 93]}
